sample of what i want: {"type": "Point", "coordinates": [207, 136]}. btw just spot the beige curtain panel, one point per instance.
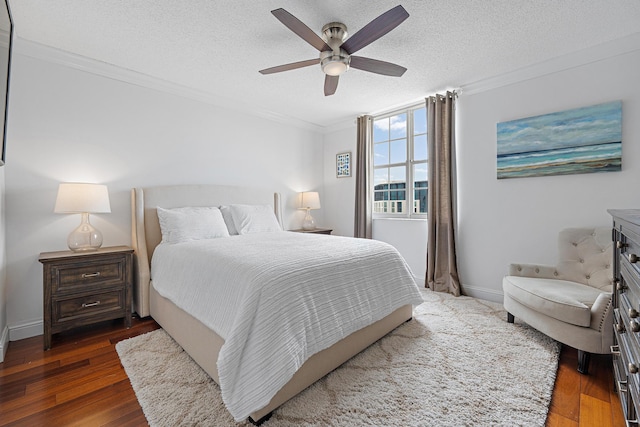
{"type": "Point", "coordinates": [364, 164]}
{"type": "Point", "coordinates": [442, 269]}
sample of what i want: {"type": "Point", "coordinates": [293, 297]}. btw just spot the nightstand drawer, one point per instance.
{"type": "Point", "coordinates": [97, 274]}
{"type": "Point", "coordinates": [90, 306]}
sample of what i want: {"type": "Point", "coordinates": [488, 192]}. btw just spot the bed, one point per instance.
{"type": "Point", "coordinates": [198, 338]}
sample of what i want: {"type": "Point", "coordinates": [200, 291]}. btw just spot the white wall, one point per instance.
{"type": "Point", "coordinates": [4, 330]}
{"type": "Point", "coordinates": [338, 200]}
{"type": "Point", "coordinates": [71, 125]}
{"type": "Point", "coordinates": [517, 220]}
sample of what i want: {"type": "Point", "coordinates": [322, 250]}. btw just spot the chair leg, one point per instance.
{"type": "Point", "coordinates": [510, 317]}
{"type": "Point", "coordinates": [583, 362]}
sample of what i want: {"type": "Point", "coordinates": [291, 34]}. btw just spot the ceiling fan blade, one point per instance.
{"type": "Point", "coordinates": [298, 27]}
{"type": "Point", "coordinates": [375, 66]}
{"type": "Point", "coordinates": [292, 66]}
{"type": "Point", "coordinates": [375, 29]}
{"type": "Point", "coordinates": [330, 84]}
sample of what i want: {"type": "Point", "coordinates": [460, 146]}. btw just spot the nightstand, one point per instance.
{"type": "Point", "coordinates": [82, 288]}
{"type": "Point", "coordinates": [314, 231]}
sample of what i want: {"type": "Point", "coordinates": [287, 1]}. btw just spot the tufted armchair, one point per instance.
{"type": "Point", "coordinates": [570, 302]}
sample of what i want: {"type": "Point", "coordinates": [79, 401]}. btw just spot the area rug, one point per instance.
{"type": "Point", "coordinates": [457, 363]}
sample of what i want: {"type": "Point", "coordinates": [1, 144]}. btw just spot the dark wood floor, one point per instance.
{"type": "Point", "coordinates": [80, 382]}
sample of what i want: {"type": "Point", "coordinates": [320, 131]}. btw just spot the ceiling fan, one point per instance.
{"type": "Point", "coordinates": [336, 54]}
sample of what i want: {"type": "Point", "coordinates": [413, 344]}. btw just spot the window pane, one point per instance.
{"type": "Point", "coordinates": [398, 126]}
{"type": "Point", "coordinates": [420, 174]}
{"type": "Point", "coordinates": [380, 178]}
{"type": "Point", "coordinates": [420, 188]}
{"type": "Point", "coordinates": [420, 121]}
{"type": "Point", "coordinates": [398, 175]}
{"type": "Point", "coordinates": [420, 200]}
{"type": "Point", "coordinates": [381, 153]}
{"type": "Point", "coordinates": [398, 151]}
{"type": "Point", "coordinates": [381, 130]}
{"type": "Point", "coordinates": [420, 147]}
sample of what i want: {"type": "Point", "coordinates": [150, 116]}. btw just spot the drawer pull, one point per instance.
{"type": "Point", "coordinates": [620, 328]}
{"type": "Point", "coordinates": [90, 304]}
{"type": "Point", "coordinates": [620, 285]}
{"type": "Point", "coordinates": [621, 245]}
{"type": "Point", "coordinates": [635, 326]}
{"type": "Point", "coordinates": [633, 369]}
{"type": "Point", "coordinates": [633, 313]}
{"type": "Point", "coordinates": [615, 350]}
{"type": "Point", "coordinates": [89, 275]}
{"type": "Point", "coordinates": [633, 258]}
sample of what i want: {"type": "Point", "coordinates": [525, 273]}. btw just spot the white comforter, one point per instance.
{"type": "Point", "coordinates": [278, 298]}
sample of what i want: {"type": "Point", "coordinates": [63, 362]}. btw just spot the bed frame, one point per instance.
{"type": "Point", "coordinates": [200, 342]}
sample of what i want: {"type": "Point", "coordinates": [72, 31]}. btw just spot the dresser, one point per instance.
{"type": "Point", "coordinates": [626, 302]}
{"type": "Point", "coordinates": [82, 288]}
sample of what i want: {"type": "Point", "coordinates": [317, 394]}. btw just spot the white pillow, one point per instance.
{"type": "Point", "coordinates": [191, 223]}
{"type": "Point", "coordinates": [228, 219]}
{"type": "Point", "coordinates": [254, 219]}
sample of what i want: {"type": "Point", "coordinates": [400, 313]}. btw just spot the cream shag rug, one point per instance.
{"type": "Point", "coordinates": [457, 363]}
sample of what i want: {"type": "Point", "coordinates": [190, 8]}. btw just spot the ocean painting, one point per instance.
{"type": "Point", "coordinates": [582, 140]}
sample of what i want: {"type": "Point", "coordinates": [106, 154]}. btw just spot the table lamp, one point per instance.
{"type": "Point", "coordinates": [83, 199]}
{"type": "Point", "coordinates": [309, 200]}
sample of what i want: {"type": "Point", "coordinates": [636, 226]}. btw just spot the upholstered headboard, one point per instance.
{"type": "Point", "coordinates": [145, 228]}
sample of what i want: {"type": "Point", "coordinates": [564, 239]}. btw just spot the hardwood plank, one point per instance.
{"type": "Point", "coordinates": [594, 412]}
{"type": "Point", "coordinates": [556, 420]}
{"type": "Point", "coordinates": [565, 400]}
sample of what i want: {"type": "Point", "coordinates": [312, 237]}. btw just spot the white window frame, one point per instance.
{"type": "Point", "coordinates": [408, 164]}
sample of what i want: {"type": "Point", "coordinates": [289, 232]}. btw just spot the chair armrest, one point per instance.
{"type": "Point", "coordinates": [534, 270]}
{"type": "Point", "coordinates": [602, 313]}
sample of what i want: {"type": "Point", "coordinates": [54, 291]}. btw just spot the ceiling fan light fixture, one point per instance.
{"type": "Point", "coordinates": [335, 65]}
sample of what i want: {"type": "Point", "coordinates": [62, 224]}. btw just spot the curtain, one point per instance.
{"type": "Point", "coordinates": [364, 163]}
{"type": "Point", "coordinates": [442, 269]}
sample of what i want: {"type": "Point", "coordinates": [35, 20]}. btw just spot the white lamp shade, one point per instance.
{"type": "Point", "coordinates": [82, 198]}
{"type": "Point", "coordinates": [310, 200]}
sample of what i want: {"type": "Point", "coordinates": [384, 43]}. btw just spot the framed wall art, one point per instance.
{"type": "Point", "coordinates": [580, 140]}
{"type": "Point", "coordinates": [343, 165]}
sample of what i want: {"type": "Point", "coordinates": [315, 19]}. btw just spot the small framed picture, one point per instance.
{"type": "Point", "coordinates": [343, 165]}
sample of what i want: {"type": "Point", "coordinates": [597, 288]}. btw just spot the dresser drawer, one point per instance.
{"type": "Point", "coordinates": [101, 273]}
{"type": "Point", "coordinates": [88, 306]}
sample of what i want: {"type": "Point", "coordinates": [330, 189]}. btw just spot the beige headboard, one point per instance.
{"type": "Point", "coordinates": [145, 228]}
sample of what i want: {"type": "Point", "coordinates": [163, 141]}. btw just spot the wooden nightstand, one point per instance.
{"type": "Point", "coordinates": [82, 288]}
{"type": "Point", "coordinates": [314, 231]}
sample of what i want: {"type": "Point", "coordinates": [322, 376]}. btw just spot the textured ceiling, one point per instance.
{"type": "Point", "coordinates": [217, 47]}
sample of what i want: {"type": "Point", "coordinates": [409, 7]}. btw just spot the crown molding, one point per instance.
{"type": "Point", "coordinates": [82, 63]}
{"type": "Point", "coordinates": [579, 58]}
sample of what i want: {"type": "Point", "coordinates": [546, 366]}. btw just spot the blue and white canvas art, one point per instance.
{"type": "Point", "coordinates": [581, 140]}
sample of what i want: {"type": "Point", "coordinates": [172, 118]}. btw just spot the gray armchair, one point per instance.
{"type": "Point", "coordinates": [570, 302]}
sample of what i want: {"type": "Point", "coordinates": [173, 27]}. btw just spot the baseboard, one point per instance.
{"type": "Point", "coordinates": [483, 293]}
{"type": "Point", "coordinates": [4, 343]}
{"type": "Point", "coordinates": [26, 330]}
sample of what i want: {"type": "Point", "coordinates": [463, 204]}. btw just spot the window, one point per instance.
{"type": "Point", "coordinates": [400, 163]}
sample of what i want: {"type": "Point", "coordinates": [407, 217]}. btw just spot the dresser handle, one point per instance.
{"type": "Point", "coordinates": [615, 350]}
{"type": "Point", "coordinates": [90, 304]}
{"type": "Point", "coordinates": [619, 285]}
{"type": "Point", "coordinates": [89, 275]}
{"type": "Point", "coordinates": [620, 328]}
{"type": "Point", "coordinates": [635, 326]}
{"type": "Point", "coordinates": [633, 313]}
{"type": "Point", "coordinates": [621, 245]}
{"type": "Point", "coordinates": [633, 258]}
{"type": "Point", "coordinates": [633, 369]}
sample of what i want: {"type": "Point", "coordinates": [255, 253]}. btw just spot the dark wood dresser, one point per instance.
{"type": "Point", "coordinates": [82, 288]}
{"type": "Point", "coordinates": [626, 302]}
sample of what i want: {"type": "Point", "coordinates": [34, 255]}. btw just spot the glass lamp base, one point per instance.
{"type": "Point", "coordinates": [85, 237]}
{"type": "Point", "coordinates": [308, 223]}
